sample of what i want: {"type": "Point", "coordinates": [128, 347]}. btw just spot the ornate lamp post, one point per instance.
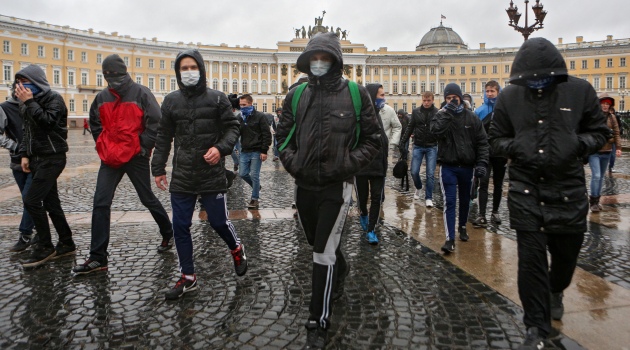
{"type": "Point", "coordinates": [623, 94]}
{"type": "Point", "coordinates": [515, 16]}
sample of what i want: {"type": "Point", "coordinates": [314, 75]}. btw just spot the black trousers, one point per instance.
{"type": "Point", "coordinates": [43, 197]}
{"type": "Point", "coordinates": [497, 169]}
{"type": "Point", "coordinates": [322, 215]}
{"type": "Point", "coordinates": [372, 187]}
{"type": "Point", "coordinates": [537, 280]}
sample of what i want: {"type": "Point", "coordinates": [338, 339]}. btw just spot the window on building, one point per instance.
{"type": "Point", "coordinates": [215, 67]}
{"type": "Point", "coordinates": [442, 87]}
{"type": "Point", "coordinates": [596, 83]}
{"type": "Point", "coordinates": [273, 69]}
{"type": "Point", "coordinates": [84, 78]}
{"type": "Point", "coordinates": [138, 62]}
{"type": "Point", "coordinates": [432, 71]}
{"type": "Point", "coordinates": [224, 85]}
{"type": "Point", "coordinates": [151, 63]}
{"type": "Point", "coordinates": [126, 60]}
{"type": "Point", "coordinates": [24, 49]}
{"type": "Point", "coordinates": [215, 84]}
{"type": "Point", "coordinates": [244, 86]}
{"type": "Point", "coordinates": [484, 70]}
{"type": "Point", "coordinates": [55, 53]}
{"type": "Point", "coordinates": [263, 86]}
{"type": "Point", "coordinates": [56, 77]}
{"type": "Point", "coordinates": [609, 63]}
{"type": "Point", "coordinates": [162, 64]}
{"type": "Point", "coordinates": [385, 70]}
{"type": "Point", "coordinates": [70, 55]}
{"type": "Point", "coordinates": [255, 104]}
{"type": "Point", "coordinates": [172, 65]}
{"type": "Point", "coordinates": [473, 70]}
{"type": "Point", "coordinates": [413, 106]}
{"type": "Point", "coordinates": [414, 87]}
{"type": "Point", "coordinates": [432, 87]}
{"type": "Point", "coordinates": [139, 79]}
{"type": "Point", "coordinates": [622, 105]}
{"type": "Point", "coordinates": [507, 69]}
{"type": "Point", "coordinates": [71, 103]}
{"type": "Point", "coordinates": [99, 58]}
{"type": "Point", "coordinates": [462, 70]}
{"type": "Point", "coordinates": [584, 64]}
{"type": "Point", "coordinates": [235, 68]}
{"type": "Point", "coordinates": [609, 82]}
{"type": "Point", "coordinates": [376, 71]}
{"type": "Point", "coordinates": [452, 70]}
{"type": "Point", "coordinates": [8, 73]}
{"type": "Point", "coordinates": [423, 70]}
{"type": "Point", "coordinates": [395, 106]}
{"type": "Point", "coordinates": [404, 106]}
{"type": "Point", "coordinates": [255, 69]}
{"type": "Point", "coordinates": [6, 46]}
{"type": "Point", "coordinates": [254, 86]}
{"type": "Point", "coordinates": [274, 86]}
{"type": "Point", "coordinates": [70, 78]}
{"type": "Point", "coordinates": [273, 107]}
{"type": "Point", "coordinates": [404, 71]}
{"type": "Point", "coordinates": [40, 51]}
{"type": "Point", "coordinates": [151, 83]}
{"type": "Point", "coordinates": [622, 82]}
{"type": "Point", "coordinates": [404, 87]}
{"type": "Point", "coordinates": [423, 87]}
{"type": "Point", "coordinates": [263, 69]}
{"type": "Point", "coordinates": [462, 86]}
{"type": "Point", "coordinates": [386, 87]}
{"type": "Point", "coordinates": [413, 71]}
{"type": "Point", "coordinates": [596, 63]}
{"type": "Point", "coordinates": [244, 68]}
{"type": "Point", "coordinates": [225, 68]}
{"type": "Point", "coordinates": [234, 86]}
{"type": "Point", "coordinates": [395, 87]}
{"type": "Point", "coordinates": [99, 79]}
{"type": "Point", "coordinates": [367, 71]}
{"type": "Point", "coordinates": [395, 71]}
{"type": "Point", "coordinates": [264, 107]}
{"type": "Point", "coordinates": [473, 87]}
{"type": "Point", "coordinates": [84, 57]}
{"type": "Point", "coordinates": [622, 62]}
{"type": "Point", "coordinates": [162, 84]}
{"type": "Point", "coordinates": [85, 105]}
{"type": "Point", "coordinates": [571, 64]}
{"type": "Point", "coordinates": [442, 70]}
{"type": "Point", "coordinates": [494, 69]}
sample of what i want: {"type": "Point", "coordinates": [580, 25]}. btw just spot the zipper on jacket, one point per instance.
{"type": "Point", "coordinates": [51, 144]}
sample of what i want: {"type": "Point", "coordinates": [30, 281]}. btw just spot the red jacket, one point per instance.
{"type": "Point", "coordinates": [124, 123]}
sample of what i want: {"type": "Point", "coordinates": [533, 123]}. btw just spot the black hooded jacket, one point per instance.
{"type": "Point", "coordinates": [546, 133]}
{"type": "Point", "coordinates": [378, 167]}
{"type": "Point", "coordinates": [45, 119]}
{"type": "Point", "coordinates": [320, 153]}
{"type": "Point", "coordinates": [198, 118]}
{"type": "Point", "coordinates": [255, 133]}
{"type": "Point", "coordinates": [419, 126]}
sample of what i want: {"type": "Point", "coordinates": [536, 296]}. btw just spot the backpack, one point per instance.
{"type": "Point", "coordinates": [356, 102]}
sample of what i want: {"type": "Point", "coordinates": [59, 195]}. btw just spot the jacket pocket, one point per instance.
{"type": "Point", "coordinates": [342, 121]}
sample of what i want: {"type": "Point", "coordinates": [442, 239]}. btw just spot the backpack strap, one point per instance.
{"type": "Point", "coordinates": [356, 102]}
{"type": "Point", "coordinates": [294, 105]}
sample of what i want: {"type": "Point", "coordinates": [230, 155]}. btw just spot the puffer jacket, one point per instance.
{"type": "Point", "coordinates": [420, 127]}
{"type": "Point", "coordinates": [462, 141]}
{"type": "Point", "coordinates": [255, 134]}
{"type": "Point", "coordinates": [198, 118]}
{"type": "Point", "coordinates": [45, 119]}
{"type": "Point", "coordinates": [546, 133]}
{"type": "Point", "coordinates": [124, 122]}
{"type": "Point", "coordinates": [378, 167]}
{"type": "Point", "coordinates": [320, 153]}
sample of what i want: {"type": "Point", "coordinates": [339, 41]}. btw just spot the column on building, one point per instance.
{"type": "Point", "coordinates": [437, 79]}
{"type": "Point", "coordinates": [354, 72]}
{"type": "Point", "coordinates": [391, 80]}
{"type": "Point", "coordinates": [259, 81]}
{"type": "Point", "coordinates": [229, 77]}
{"type": "Point", "coordinates": [427, 70]}
{"type": "Point", "coordinates": [220, 86]}
{"type": "Point", "coordinates": [364, 78]}
{"type": "Point", "coordinates": [289, 76]}
{"type": "Point", "coordinates": [409, 79]}
{"type": "Point", "coordinates": [249, 77]}
{"type": "Point", "coordinates": [380, 70]}
{"type": "Point", "coordinates": [240, 78]}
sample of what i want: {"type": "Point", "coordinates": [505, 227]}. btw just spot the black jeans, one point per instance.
{"type": "Point", "coordinates": [536, 280]}
{"type": "Point", "coordinates": [497, 168]}
{"type": "Point", "coordinates": [371, 186]}
{"type": "Point", "coordinates": [43, 197]}
{"type": "Point", "coordinates": [137, 169]}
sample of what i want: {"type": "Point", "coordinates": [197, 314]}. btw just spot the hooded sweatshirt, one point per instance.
{"type": "Point", "coordinates": [45, 117]}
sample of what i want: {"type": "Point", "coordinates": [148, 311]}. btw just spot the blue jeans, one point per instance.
{"type": "Point", "coordinates": [416, 161]}
{"type": "Point", "coordinates": [455, 180]}
{"type": "Point", "coordinates": [183, 208]}
{"type": "Point", "coordinates": [613, 156]}
{"type": "Point", "coordinates": [235, 155]}
{"type": "Point", "coordinates": [598, 163]}
{"type": "Point", "coordinates": [249, 170]}
{"type": "Point", "coordinates": [23, 181]}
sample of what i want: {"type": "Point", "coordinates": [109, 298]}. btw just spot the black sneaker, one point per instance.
{"type": "Point", "coordinates": [182, 287]}
{"type": "Point", "coordinates": [39, 255]}
{"type": "Point", "coordinates": [65, 249]}
{"type": "Point", "coordinates": [240, 260]}
{"type": "Point", "coordinates": [166, 244]}
{"type": "Point", "coordinates": [480, 222]}
{"type": "Point", "coordinates": [449, 246]}
{"type": "Point", "coordinates": [557, 307]}
{"type": "Point", "coordinates": [341, 283]}
{"type": "Point", "coordinates": [316, 337]}
{"type": "Point", "coordinates": [495, 218]}
{"type": "Point", "coordinates": [462, 233]}
{"type": "Point", "coordinates": [24, 241]}
{"type": "Point", "coordinates": [89, 266]}
{"type": "Point", "coordinates": [533, 341]}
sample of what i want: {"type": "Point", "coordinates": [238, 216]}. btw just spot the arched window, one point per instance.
{"type": "Point", "coordinates": [263, 87]}
{"type": "Point", "coordinates": [244, 84]}
{"type": "Point", "coordinates": [225, 86]}
{"type": "Point", "coordinates": [215, 84]}
{"type": "Point", "coordinates": [234, 86]}
{"type": "Point", "coordinates": [254, 86]}
{"type": "Point", "coordinates": [274, 87]}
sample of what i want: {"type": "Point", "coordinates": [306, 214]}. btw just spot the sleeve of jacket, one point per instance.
{"type": "Point", "coordinates": [594, 132]}
{"type": "Point", "coordinates": [481, 143]}
{"type": "Point", "coordinates": [5, 140]}
{"type": "Point", "coordinates": [165, 133]}
{"type": "Point", "coordinates": [501, 133]}
{"type": "Point", "coordinates": [46, 118]}
{"type": "Point", "coordinates": [152, 115]}
{"type": "Point", "coordinates": [406, 134]}
{"type": "Point", "coordinates": [369, 137]}
{"type": "Point", "coordinates": [265, 132]}
{"type": "Point", "coordinates": [286, 123]}
{"type": "Point", "coordinates": [230, 126]}
{"type": "Point", "coordinates": [396, 130]}
{"type": "Point", "coordinates": [441, 123]}
{"type": "Point", "coordinates": [95, 118]}
{"type": "Point", "coordinates": [616, 132]}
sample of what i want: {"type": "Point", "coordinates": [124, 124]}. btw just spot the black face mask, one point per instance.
{"type": "Point", "coordinates": [115, 81]}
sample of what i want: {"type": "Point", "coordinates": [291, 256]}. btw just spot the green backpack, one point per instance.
{"type": "Point", "coordinates": [356, 102]}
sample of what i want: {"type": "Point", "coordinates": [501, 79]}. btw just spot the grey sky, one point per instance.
{"type": "Point", "coordinates": [396, 24]}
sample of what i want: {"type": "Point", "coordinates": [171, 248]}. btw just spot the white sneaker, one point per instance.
{"type": "Point", "coordinates": [429, 203]}
{"type": "Point", "coordinates": [416, 195]}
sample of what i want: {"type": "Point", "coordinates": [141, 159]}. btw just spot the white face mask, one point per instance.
{"type": "Point", "coordinates": [319, 67]}
{"type": "Point", "coordinates": [190, 77]}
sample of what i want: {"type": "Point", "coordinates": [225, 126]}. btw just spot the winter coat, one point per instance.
{"type": "Point", "coordinates": [404, 119]}
{"type": "Point", "coordinates": [546, 133]}
{"type": "Point", "coordinates": [391, 124]}
{"type": "Point", "coordinates": [124, 122]}
{"type": "Point", "coordinates": [486, 108]}
{"type": "Point", "coordinates": [45, 119]}
{"type": "Point", "coordinates": [198, 118]}
{"type": "Point", "coordinates": [255, 134]}
{"type": "Point", "coordinates": [11, 130]}
{"type": "Point", "coordinates": [462, 141]}
{"type": "Point", "coordinates": [419, 126]}
{"type": "Point", "coordinates": [320, 153]}
{"type": "Point", "coordinates": [378, 166]}
{"type": "Point", "coordinates": [611, 122]}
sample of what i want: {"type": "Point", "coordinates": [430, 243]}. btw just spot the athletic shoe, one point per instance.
{"type": "Point", "coordinates": [372, 237]}
{"type": "Point", "coordinates": [416, 194]}
{"type": "Point", "coordinates": [364, 219]}
{"type": "Point", "coordinates": [341, 283]}
{"type": "Point", "coordinates": [240, 260]}
{"type": "Point", "coordinates": [39, 255]}
{"type": "Point", "coordinates": [24, 241]}
{"type": "Point", "coordinates": [495, 218]}
{"type": "Point", "coordinates": [480, 222]}
{"type": "Point", "coordinates": [428, 203]}
{"type": "Point", "coordinates": [557, 308]}
{"type": "Point", "coordinates": [462, 233]}
{"type": "Point", "coordinates": [316, 337]}
{"type": "Point", "coordinates": [166, 244]}
{"type": "Point", "coordinates": [253, 204]}
{"type": "Point", "coordinates": [533, 341]}
{"type": "Point", "coordinates": [449, 246]}
{"type": "Point", "coordinates": [293, 206]}
{"type": "Point", "coordinates": [89, 266]}
{"type": "Point", "coordinates": [65, 249]}
{"type": "Point", "coordinates": [182, 287]}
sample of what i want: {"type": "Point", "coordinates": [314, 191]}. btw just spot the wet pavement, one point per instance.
{"type": "Point", "coordinates": [399, 294]}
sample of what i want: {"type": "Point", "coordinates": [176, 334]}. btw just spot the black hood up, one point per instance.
{"type": "Point", "coordinates": [373, 90]}
{"type": "Point", "coordinates": [326, 42]}
{"type": "Point", "coordinates": [36, 75]}
{"type": "Point", "coordinates": [115, 64]}
{"type": "Point", "coordinates": [538, 58]}
{"type": "Point", "coordinates": [201, 84]}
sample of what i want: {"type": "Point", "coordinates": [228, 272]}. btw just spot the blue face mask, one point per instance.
{"type": "Point", "coordinates": [379, 103]}
{"type": "Point", "coordinates": [34, 89]}
{"type": "Point", "coordinates": [247, 111]}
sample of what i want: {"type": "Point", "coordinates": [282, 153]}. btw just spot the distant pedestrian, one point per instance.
{"type": "Point", "coordinates": [545, 130]}
{"type": "Point", "coordinates": [86, 126]}
{"type": "Point", "coordinates": [613, 153]}
{"type": "Point", "coordinates": [403, 118]}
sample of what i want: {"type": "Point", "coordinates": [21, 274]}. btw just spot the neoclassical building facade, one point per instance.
{"type": "Point", "coordinates": [72, 61]}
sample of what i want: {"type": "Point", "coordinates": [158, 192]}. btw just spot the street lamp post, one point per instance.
{"type": "Point", "coordinates": [623, 94]}
{"type": "Point", "coordinates": [515, 16]}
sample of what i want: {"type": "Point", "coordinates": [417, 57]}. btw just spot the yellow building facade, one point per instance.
{"type": "Point", "coordinates": [72, 61]}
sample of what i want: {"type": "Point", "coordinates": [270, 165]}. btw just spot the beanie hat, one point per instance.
{"type": "Point", "coordinates": [114, 64]}
{"type": "Point", "coordinates": [453, 89]}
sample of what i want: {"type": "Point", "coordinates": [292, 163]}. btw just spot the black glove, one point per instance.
{"type": "Point", "coordinates": [480, 171]}
{"type": "Point", "coordinates": [452, 107]}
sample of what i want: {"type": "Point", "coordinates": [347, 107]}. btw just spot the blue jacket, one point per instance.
{"type": "Point", "coordinates": [487, 107]}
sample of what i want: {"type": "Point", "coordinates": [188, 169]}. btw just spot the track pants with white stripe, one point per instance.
{"type": "Point", "coordinates": [322, 215]}
{"type": "Point", "coordinates": [183, 209]}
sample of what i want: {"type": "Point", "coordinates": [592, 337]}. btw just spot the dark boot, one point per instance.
{"type": "Point", "coordinates": [597, 203]}
{"type": "Point", "coordinates": [594, 204]}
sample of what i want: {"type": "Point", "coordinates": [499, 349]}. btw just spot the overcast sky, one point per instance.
{"type": "Point", "coordinates": [396, 24]}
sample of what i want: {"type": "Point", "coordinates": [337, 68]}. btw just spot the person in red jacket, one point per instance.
{"type": "Point", "coordinates": [124, 120]}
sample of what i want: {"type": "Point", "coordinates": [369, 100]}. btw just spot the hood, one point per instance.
{"type": "Point", "coordinates": [402, 112]}
{"type": "Point", "coordinates": [201, 84]}
{"type": "Point", "coordinates": [487, 101]}
{"type": "Point", "coordinates": [373, 90]}
{"type": "Point", "coordinates": [605, 96]}
{"type": "Point", "coordinates": [36, 75]}
{"type": "Point", "coordinates": [538, 58]}
{"type": "Point", "coordinates": [327, 42]}
{"type": "Point", "coordinates": [115, 64]}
